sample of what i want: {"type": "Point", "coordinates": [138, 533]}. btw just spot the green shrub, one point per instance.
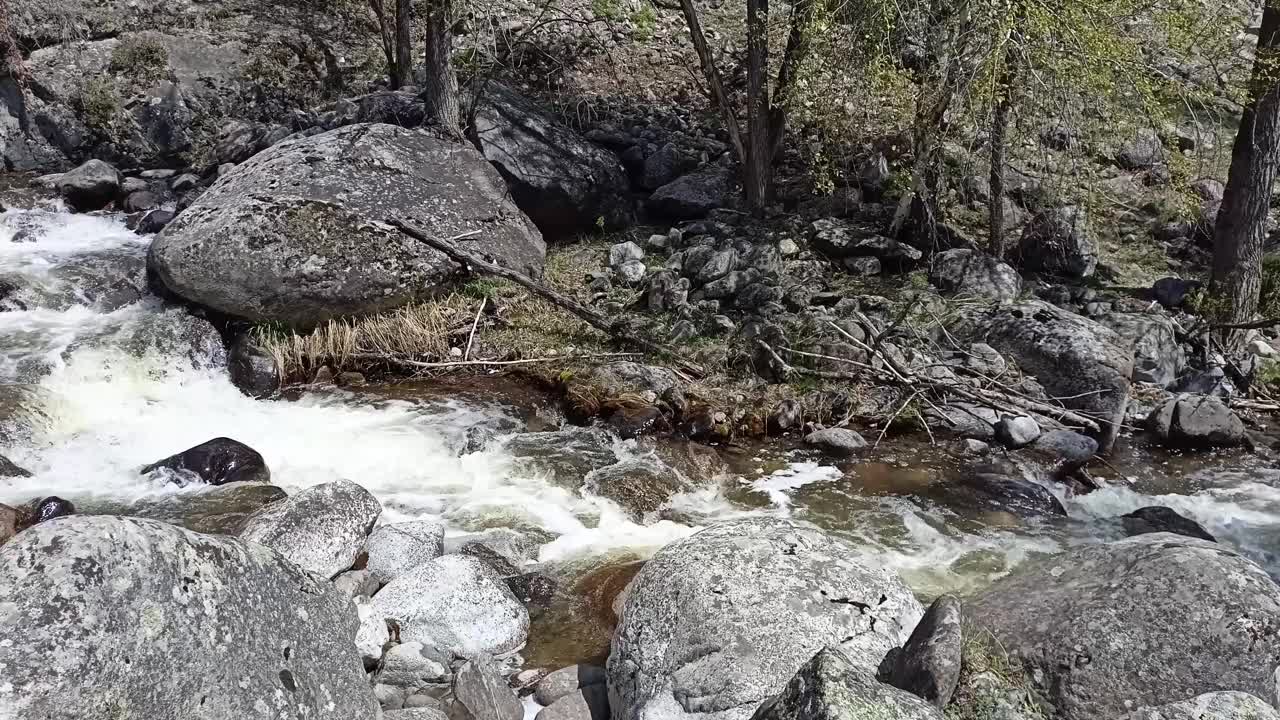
{"type": "Point", "coordinates": [139, 58]}
{"type": "Point", "coordinates": [99, 104]}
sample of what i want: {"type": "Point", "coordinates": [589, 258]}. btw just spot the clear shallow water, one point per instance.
{"type": "Point", "coordinates": [103, 407]}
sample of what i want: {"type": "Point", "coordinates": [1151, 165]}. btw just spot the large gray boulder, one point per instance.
{"type": "Point", "coordinates": [1210, 706]}
{"type": "Point", "coordinates": [455, 603]}
{"type": "Point", "coordinates": [1058, 241]}
{"type": "Point", "coordinates": [566, 184]}
{"type": "Point", "coordinates": [1157, 355]}
{"type": "Point", "coordinates": [969, 273]}
{"type": "Point", "coordinates": [1196, 422]}
{"type": "Point", "coordinates": [832, 687]}
{"type": "Point", "coordinates": [110, 617]}
{"type": "Point", "coordinates": [295, 233]}
{"type": "Point", "coordinates": [322, 529]}
{"type": "Point", "coordinates": [1143, 621]}
{"type": "Point", "coordinates": [1074, 358]}
{"type": "Point", "coordinates": [718, 622]}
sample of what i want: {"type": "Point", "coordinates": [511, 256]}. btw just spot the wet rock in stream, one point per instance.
{"type": "Point", "coordinates": [641, 486]}
{"type": "Point", "coordinates": [216, 462]}
{"type": "Point", "coordinates": [322, 528]}
{"type": "Point", "coordinates": [214, 509]}
{"type": "Point", "coordinates": [1162, 519]}
{"type": "Point", "coordinates": [986, 489]}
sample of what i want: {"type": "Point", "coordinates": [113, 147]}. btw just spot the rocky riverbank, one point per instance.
{"type": "Point", "coordinates": [264, 454]}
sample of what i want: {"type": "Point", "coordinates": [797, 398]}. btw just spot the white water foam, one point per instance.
{"type": "Point", "coordinates": [108, 412]}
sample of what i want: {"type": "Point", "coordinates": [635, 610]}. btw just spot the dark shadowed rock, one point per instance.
{"type": "Point", "coordinates": [832, 687]}
{"type": "Point", "coordinates": [295, 233]}
{"type": "Point", "coordinates": [995, 492]}
{"type": "Point", "coordinates": [92, 186]}
{"type": "Point", "coordinates": [700, 612]}
{"type": "Point", "coordinates": [125, 601]}
{"type": "Point", "coordinates": [1073, 357]}
{"type": "Point", "coordinates": [155, 221]}
{"type": "Point", "coordinates": [1058, 241]}
{"type": "Point", "coordinates": [218, 461]}
{"type": "Point", "coordinates": [1157, 519]}
{"type": "Point", "coordinates": [1196, 422]}
{"type": "Point", "coordinates": [322, 528]}
{"type": "Point", "coordinates": [252, 369]}
{"type": "Point", "coordinates": [49, 508]}
{"type": "Point", "coordinates": [564, 183]}
{"type": "Point", "coordinates": [928, 666]}
{"type": "Point", "coordinates": [1172, 292]}
{"type": "Point", "coordinates": [693, 196]}
{"type": "Point", "coordinates": [969, 273]}
{"type": "Point", "coordinates": [1143, 621]}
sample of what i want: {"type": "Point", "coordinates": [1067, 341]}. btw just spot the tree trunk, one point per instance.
{"type": "Point", "coordinates": [944, 78]}
{"type": "Point", "coordinates": [440, 85]}
{"type": "Point", "coordinates": [403, 74]}
{"type": "Point", "coordinates": [999, 136]}
{"type": "Point", "coordinates": [757, 171]}
{"type": "Point", "coordinates": [1255, 157]}
{"type": "Point", "coordinates": [792, 58]}
{"type": "Point", "coordinates": [386, 36]}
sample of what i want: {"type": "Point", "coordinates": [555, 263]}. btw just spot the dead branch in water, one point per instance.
{"type": "Point", "coordinates": [613, 327]}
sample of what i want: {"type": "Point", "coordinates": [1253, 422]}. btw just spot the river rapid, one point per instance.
{"type": "Point", "coordinates": [99, 380]}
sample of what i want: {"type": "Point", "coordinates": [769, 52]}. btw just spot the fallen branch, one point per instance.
{"type": "Point", "coordinates": [1254, 325]}
{"type": "Point", "coordinates": [611, 327]}
{"type": "Point", "coordinates": [466, 354]}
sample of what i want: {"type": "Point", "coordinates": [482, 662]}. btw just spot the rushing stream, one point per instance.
{"type": "Point", "coordinates": [108, 382]}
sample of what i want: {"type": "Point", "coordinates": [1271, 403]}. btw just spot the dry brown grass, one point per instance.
{"type": "Point", "coordinates": [516, 324]}
{"type": "Point", "coordinates": [412, 332]}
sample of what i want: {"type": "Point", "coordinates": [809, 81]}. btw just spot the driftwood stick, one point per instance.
{"type": "Point", "coordinates": [466, 354]}
{"type": "Point", "coordinates": [594, 318]}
